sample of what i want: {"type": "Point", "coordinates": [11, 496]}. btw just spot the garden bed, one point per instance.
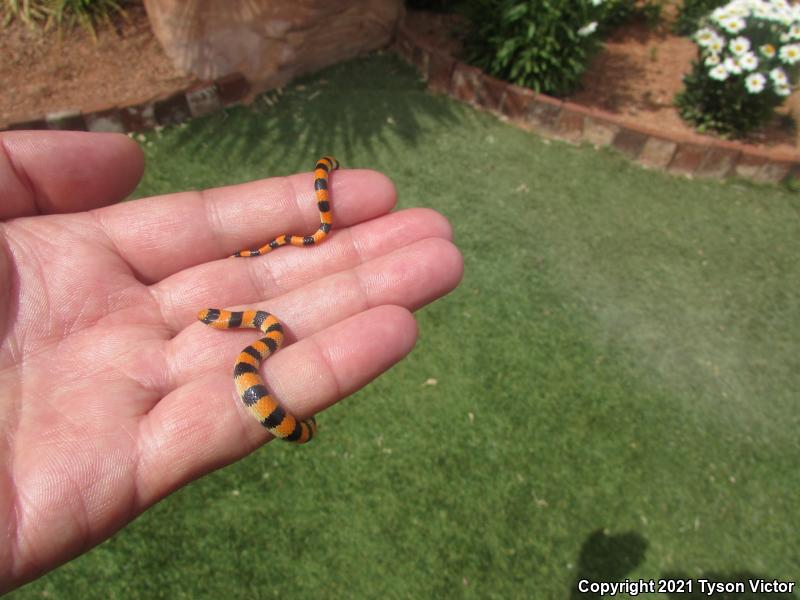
{"type": "Point", "coordinates": [125, 66]}
{"type": "Point", "coordinates": [646, 67]}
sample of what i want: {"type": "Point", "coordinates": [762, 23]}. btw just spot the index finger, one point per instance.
{"type": "Point", "coordinates": [162, 235]}
{"type": "Point", "coordinates": [48, 172]}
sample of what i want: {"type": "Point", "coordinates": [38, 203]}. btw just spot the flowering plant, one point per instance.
{"type": "Point", "coordinates": [542, 44]}
{"type": "Point", "coordinates": [748, 61]}
{"type": "Point", "coordinates": [691, 12]}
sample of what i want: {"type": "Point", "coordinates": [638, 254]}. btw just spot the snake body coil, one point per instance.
{"type": "Point", "coordinates": [249, 384]}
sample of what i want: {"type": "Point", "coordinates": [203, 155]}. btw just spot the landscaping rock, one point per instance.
{"type": "Point", "coordinates": [269, 41]}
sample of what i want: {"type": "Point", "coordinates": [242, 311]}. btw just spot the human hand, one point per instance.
{"type": "Point", "coordinates": [112, 394]}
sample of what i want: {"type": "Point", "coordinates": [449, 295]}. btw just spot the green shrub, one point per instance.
{"type": "Point", "coordinates": [748, 59]}
{"type": "Point", "coordinates": [542, 44]}
{"type": "Point", "coordinates": [691, 12]}
{"type": "Point", "coordinates": [61, 12]}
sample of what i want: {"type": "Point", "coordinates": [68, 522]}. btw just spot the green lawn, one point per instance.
{"type": "Point", "coordinates": [618, 377]}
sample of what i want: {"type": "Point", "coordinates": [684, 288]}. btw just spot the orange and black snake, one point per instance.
{"type": "Point", "coordinates": [280, 422]}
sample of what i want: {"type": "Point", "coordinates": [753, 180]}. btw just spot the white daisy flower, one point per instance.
{"type": "Point", "coordinates": [733, 24]}
{"type": "Point", "coordinates": [762, 11]}
{"type": "Point", "coordinates": [748, 62]}
{"type": "Point", "coordinates": [597, 2]}
{"type": "Point", "coordinates": [790, 53]}
{"type": "Point", "coordinates": [794, 31]}
{"type": "Point", "coordinates": [779, 5]}
{"type": "Point", "coordinates": [779, 77]}
{"type": "Point", "coordinates": [755, 83]}
{"type": "Point", "coordinates": [732, 66]}
{"type": "Point", "coordinates": [720, 73]}
{"type": "Point", "coordinates": [716, 45]}
{"type": "Point", "coordinates": [739, 45]}
{"type": "Point", "coordinates": [720, 14]}
{"type": "Point", "coordinates": [783, 90]}
{"type": "Point", "coordinates": [767, 50]}
{"type": "Point", "coordinates": [588, 29]}
{"type": "Point", "coordinates": [705, 36]}
{"type": "Point", "coordinates": [784, 38]}
{"type": "Point", "coordinates": [738, 9]}
{"type": "Point", "coordinates": [712, 60]}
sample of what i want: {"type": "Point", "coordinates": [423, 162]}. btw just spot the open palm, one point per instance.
{"type": "Point", "coordinates": [112, 395]}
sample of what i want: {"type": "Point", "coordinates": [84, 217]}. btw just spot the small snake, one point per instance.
{"type": "Point", "coordinates": [249, 384]}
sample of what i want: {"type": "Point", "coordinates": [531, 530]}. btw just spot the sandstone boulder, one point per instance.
{"type": "Point", "coordinates": [269, 41]}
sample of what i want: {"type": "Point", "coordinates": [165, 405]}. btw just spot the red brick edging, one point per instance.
{"type": "Point", "coordinates": [571, 122]}
{"type": "Point", "coordinates": [197, 100]}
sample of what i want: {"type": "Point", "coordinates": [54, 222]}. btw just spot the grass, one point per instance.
{"type": "Point", "coordinates": [616, 378]}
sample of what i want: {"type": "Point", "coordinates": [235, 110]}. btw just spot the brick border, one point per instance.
{"type": "Point", "coordinates": [550, 117]}
{"type": "Point", "coordinates": [198, 99]}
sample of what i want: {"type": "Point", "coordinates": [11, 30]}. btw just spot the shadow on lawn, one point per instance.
{"type": "Point", "coordinates": [610, 558]}
{"type": "Point", "coordinates": [362, 105]}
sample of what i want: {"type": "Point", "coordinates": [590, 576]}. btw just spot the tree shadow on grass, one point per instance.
{"type": "Point", "coordinates": [610, 558]}
{"type": "Point", "coordinates": [355, 107]}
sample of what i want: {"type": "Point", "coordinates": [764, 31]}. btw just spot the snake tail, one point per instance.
{"type": "Point", "coordinates": [254, 394]}
{"type": "Point", "coordinates": [324, 167]}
